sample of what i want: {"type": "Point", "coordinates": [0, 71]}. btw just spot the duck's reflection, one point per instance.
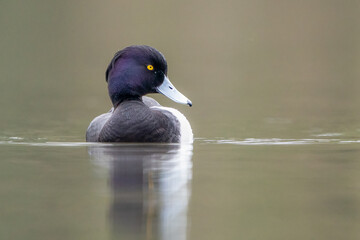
{"type": "Point", "coordinates": [151, 189]}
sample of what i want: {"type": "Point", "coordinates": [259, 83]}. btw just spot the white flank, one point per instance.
{"type": "Point", "coordinates": [186, 135]}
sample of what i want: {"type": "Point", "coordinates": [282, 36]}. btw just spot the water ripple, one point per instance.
{"type": "Point", "coordinates": [42, 142]}
{"type": "Point", "coordinates": [280, 141]}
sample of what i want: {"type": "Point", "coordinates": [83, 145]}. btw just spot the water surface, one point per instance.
{"type": "Point", "coordinates": [229, 189]}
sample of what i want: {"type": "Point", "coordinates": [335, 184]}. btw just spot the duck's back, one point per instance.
{"type": "Point", "coordinates": [133, 121]}
{"type": "Point", "coordinates": [136, 121]}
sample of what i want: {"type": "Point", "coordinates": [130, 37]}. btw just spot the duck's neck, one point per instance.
{"type": "Point", "coordinates": [120, 91]}
{"type": "Point", "coordinates": [117, 100]}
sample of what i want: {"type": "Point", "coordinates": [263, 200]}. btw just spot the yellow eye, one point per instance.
{"type": "Point", "coordinates": [150, 67]}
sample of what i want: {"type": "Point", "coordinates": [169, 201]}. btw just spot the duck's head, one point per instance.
{"type": "Point", "coordinates": [138, 70]}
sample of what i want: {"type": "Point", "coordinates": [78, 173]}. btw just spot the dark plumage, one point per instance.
{"type": "Point", "coordinates": [134, 72]}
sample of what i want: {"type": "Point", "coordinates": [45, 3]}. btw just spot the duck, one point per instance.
{"type": "Point", "coordinates": [134, 72]}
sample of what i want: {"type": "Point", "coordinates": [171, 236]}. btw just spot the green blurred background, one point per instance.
{"type": "Point", "coordinates": [248, 66]}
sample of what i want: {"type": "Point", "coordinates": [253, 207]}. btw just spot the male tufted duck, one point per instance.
{"type": "Point", "coordinates": [134, 72]}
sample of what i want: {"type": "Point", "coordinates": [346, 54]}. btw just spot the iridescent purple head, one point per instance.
{"type": "Point", "coordinates": [138, 70]}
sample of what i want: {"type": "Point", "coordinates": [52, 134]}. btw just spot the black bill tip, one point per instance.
{"type": "Point", "coordinates": [189, 103]}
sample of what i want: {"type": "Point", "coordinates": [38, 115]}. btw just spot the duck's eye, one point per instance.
{"type": "Point", "coordinates": [150, 67]}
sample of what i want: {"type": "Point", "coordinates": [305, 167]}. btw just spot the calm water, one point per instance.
{"type": "Point", "coordinates": [275, 87]}
{"type": "Point", "coordinates": [215, 189]}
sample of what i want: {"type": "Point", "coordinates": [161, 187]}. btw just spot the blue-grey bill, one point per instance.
{"type": "Point", "coordinates": [168, 89]}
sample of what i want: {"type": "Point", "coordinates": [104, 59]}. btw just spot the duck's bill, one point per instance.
{"type": "Point", "coordinates": [168, 89]}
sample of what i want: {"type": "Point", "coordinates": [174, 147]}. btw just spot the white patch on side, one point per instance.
{"type": "Point", "coordinates": [186, 135]}
{"type": "Point", "coordinates": [93, 131]}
